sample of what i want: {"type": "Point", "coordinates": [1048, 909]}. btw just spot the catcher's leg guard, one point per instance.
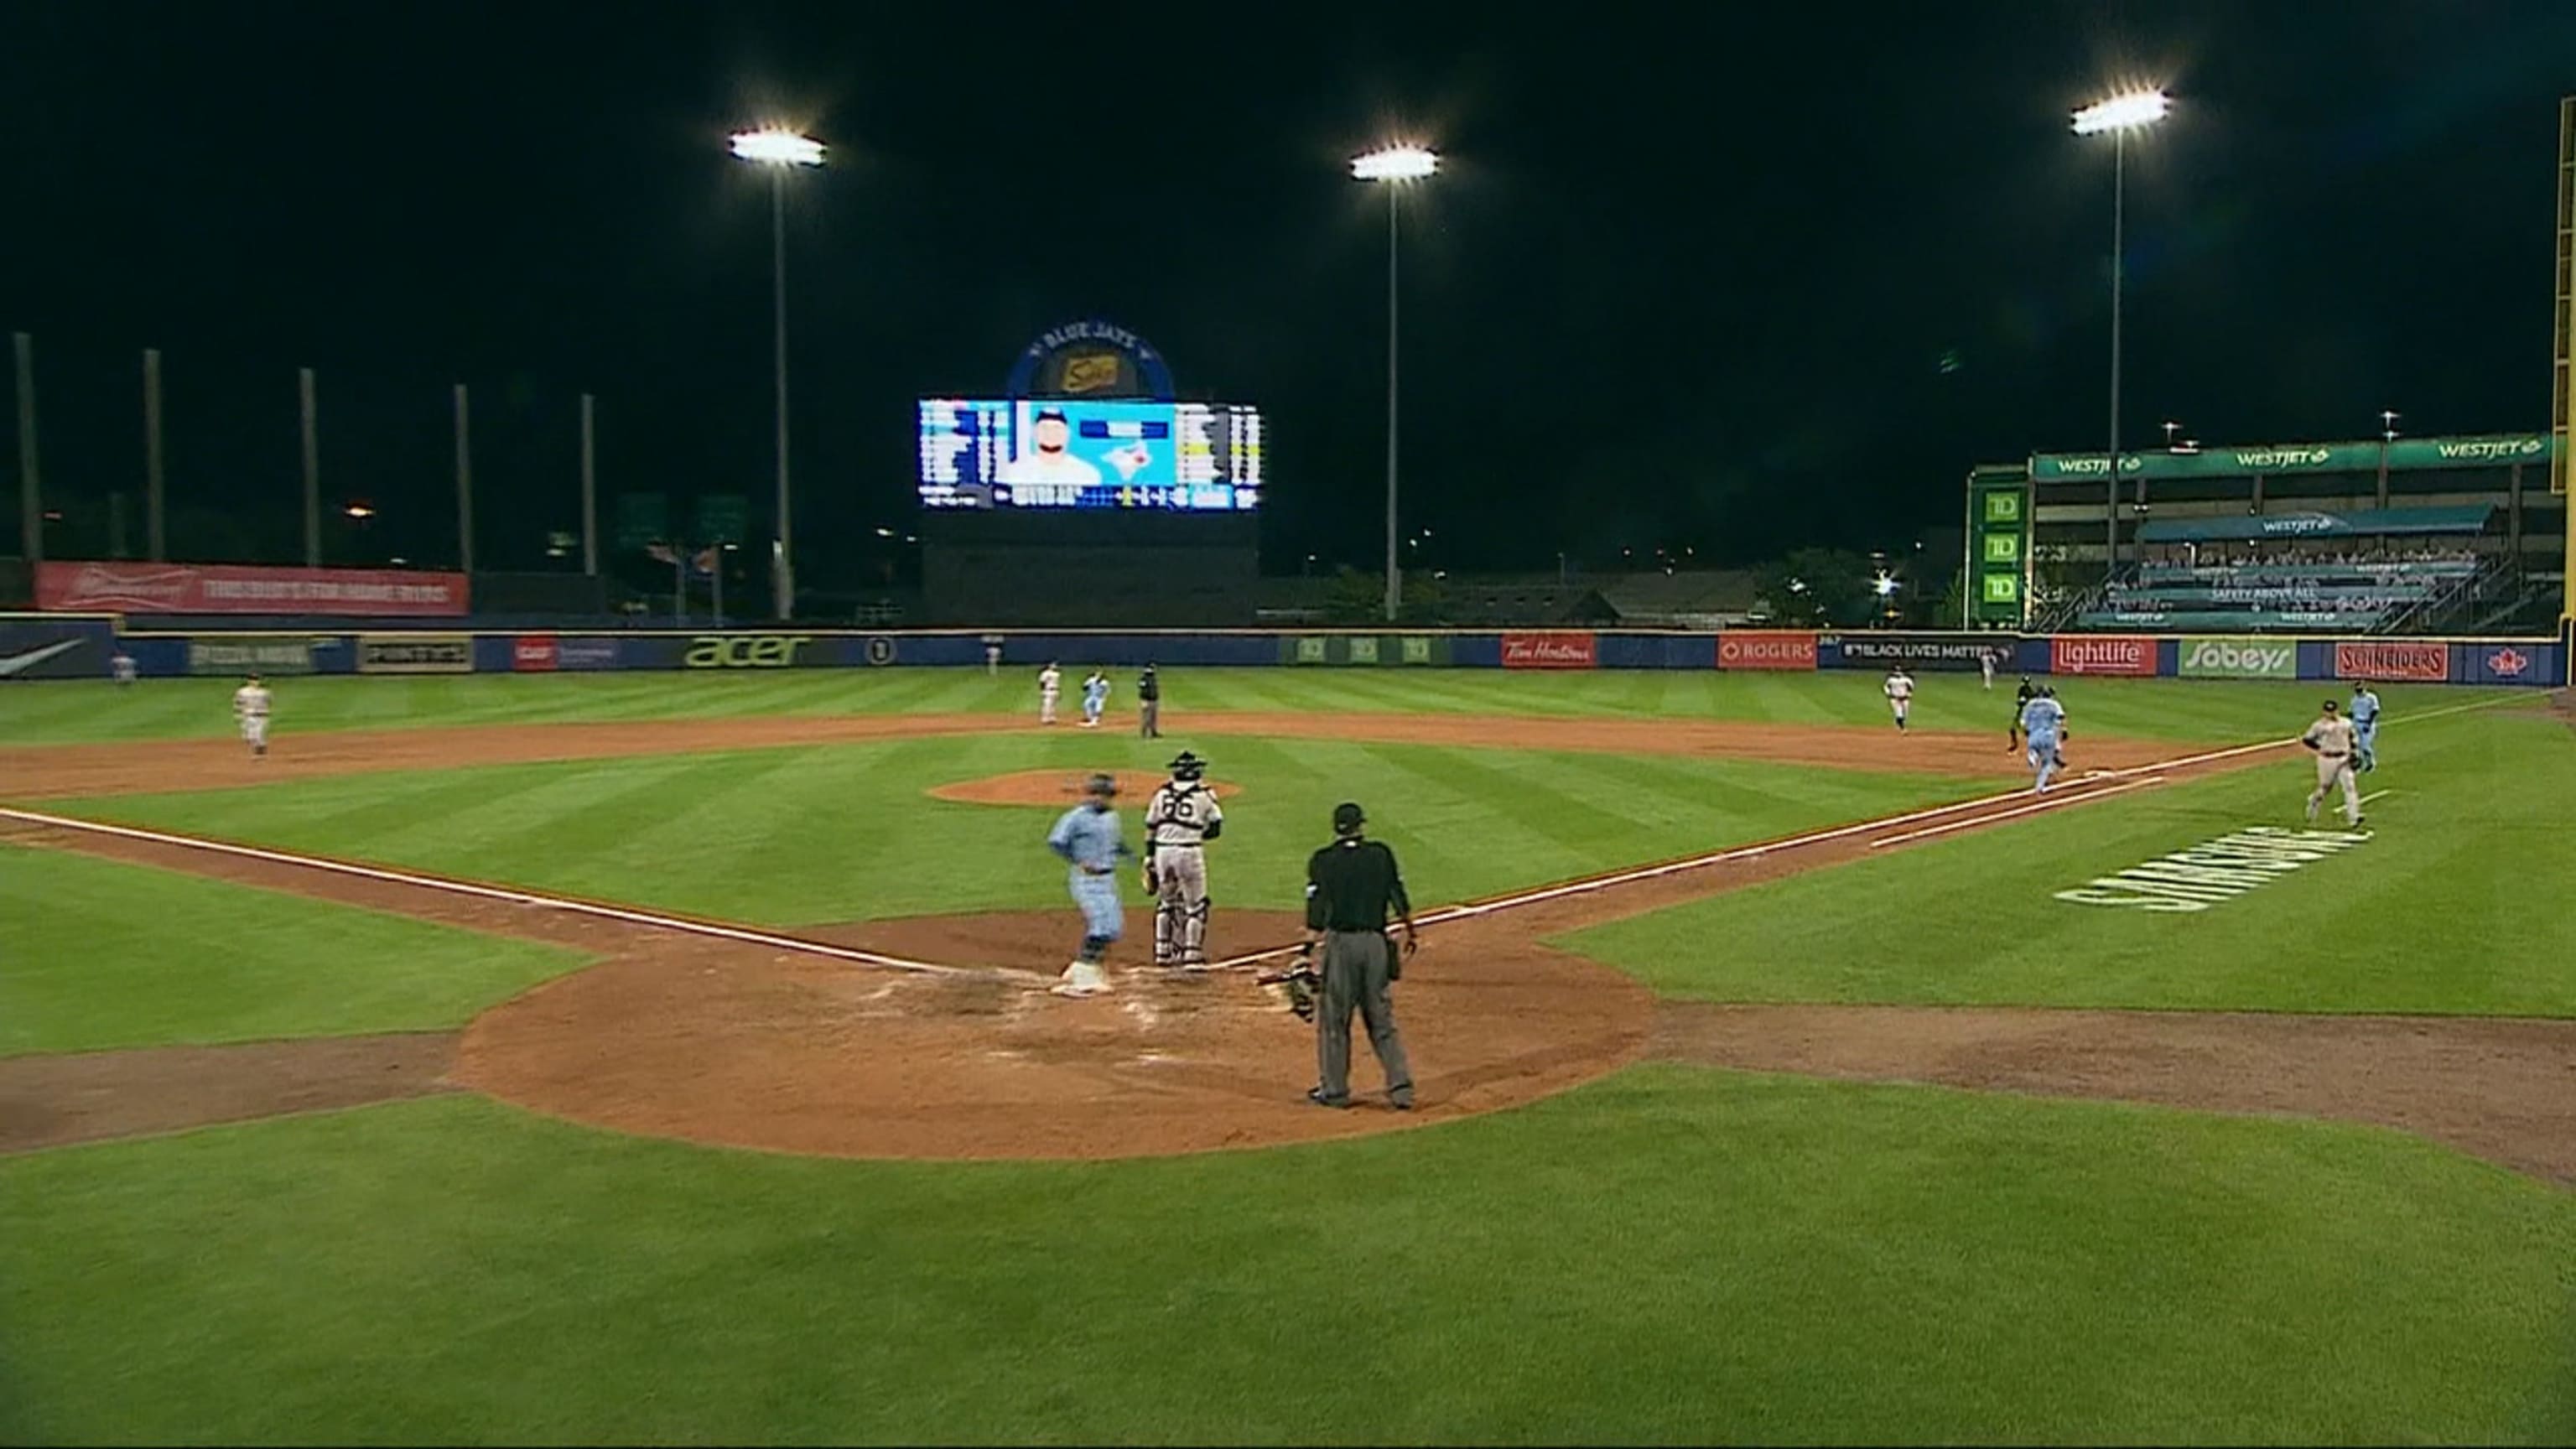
{"type": "Point", "coordinates": [1194, 934]}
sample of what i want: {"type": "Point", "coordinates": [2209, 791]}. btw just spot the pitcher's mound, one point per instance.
{"type": "Point", "coordinates": [753, 1048]}
{"type": "Point", "coordinates": [1059, 788]}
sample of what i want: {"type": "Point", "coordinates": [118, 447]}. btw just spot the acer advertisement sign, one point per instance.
{"type": "Point", "coordinates": [1551, 650]}
{"type": "Point", "coordinates": [2102, 654]}
{"type": "Point", "coordinates": [1766, 649]}
{"type": "Point", "coordinates": [150, 588]}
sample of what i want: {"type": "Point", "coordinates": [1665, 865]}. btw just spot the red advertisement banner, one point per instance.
{"type": "Point", "coordinates": [2102, 654]}
{"type": "Point", "coordinates": [1766, 649]}
{"type": "Point", "coordinates": [1553, 650]}
{"type": "Point", "coordinates": [2394, 659]}
{"type": "Point", "coordinates": [149, 588]}
{"type": "Point", "coordinates": [533, 654]}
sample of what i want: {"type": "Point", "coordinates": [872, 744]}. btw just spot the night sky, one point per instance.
{"type": "Point", "coordinates": [1733, 276]}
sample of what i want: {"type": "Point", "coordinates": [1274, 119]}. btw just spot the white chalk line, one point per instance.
{"type": "Point", "coordinates": [2157, 770]}
{"type": "Point", "coordinates": [2042, 803]}
{"type": "Point", "coordinates": [520, 897]}
{"type": "Point", "coordinates": [751, 936]}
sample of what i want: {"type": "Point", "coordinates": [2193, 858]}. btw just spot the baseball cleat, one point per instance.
{"type": "Point", "coordinates": [1316, 1096]}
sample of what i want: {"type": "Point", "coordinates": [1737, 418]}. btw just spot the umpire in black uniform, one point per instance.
{"type": "Point", "coordinates": [1352, 886]}
{"type": "Point", "coordinates": [1149, 709]}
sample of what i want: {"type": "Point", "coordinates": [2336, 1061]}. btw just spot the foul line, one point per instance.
{"type": "Point", "coordinates": [2136, 776]}
{"type": "Point", "coordinates": [2033, 808]}
{"type": "Point", "coordinates": [2153, 775]}
{"type": "Point", "coordinates": [518, 897]}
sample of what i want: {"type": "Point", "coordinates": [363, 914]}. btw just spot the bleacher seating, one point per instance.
{"type": "Point", "coordinates": [2241, 574]}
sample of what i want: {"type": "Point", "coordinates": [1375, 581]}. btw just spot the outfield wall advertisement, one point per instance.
{"type": "Point", "coordinates": [2237, 657]}
{"type": "Point", "coordinates": [1781, 649]}
{"type": "Point", "coordinates": [2132, 655]}
{"type": "Point", "coordinates": [33, 646]}
{"type": "Point", "coordinates": [39, 646]}
{"type": "Point", "coordinates": [150, 588]}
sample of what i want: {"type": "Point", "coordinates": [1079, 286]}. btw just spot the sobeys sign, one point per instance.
{"type": "Point", "coordinates": [2239, 659]}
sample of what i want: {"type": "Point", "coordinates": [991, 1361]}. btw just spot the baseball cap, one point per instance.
{"type": "Point", "coordinates": [1101, 785]}
{"type": "Point", "coordinates": [1348, 817]}
{"type": "Point", "coordinates": [1048, 415]}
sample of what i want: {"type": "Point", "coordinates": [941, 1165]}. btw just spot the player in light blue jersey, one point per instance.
{"type": "Point", "coordinates": [1089, 840]}
{"type": "Point", "coordinates": [1095, 698]}
{"type": "Point", "coordinates": [2043, 723]}
{"type": "Point", "coordinates": [2364, 715]}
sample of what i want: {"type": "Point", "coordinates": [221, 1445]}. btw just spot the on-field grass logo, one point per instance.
{"type": "Point", "coordinates": [2508, 663]}
{"type": "Point", "coordinates": [2214, 871]}
{"type": "Point", "coordinates": [745, 651]}
{"type": "Point", "coordinates": [2239, 659]}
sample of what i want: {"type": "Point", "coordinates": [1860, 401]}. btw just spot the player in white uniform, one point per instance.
{"type": "Point", "coordinates": [1900, 693]}
{"type": "Point", "coordinates": [1179, 820]}
{"type": "Point", "coordinates": [1986, 667]}
{"type": "Point", "coordinates": [120, 667]}
{"type": "Point", "coordinates": [1050, 686]}
{"type": "Point", "coordinates": [250, 711]}
{"type": "Point", "coordinates": [2332, 741]}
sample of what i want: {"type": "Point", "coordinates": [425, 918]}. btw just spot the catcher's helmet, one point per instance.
{"type": "Point", "coordinates": [1187, 766]}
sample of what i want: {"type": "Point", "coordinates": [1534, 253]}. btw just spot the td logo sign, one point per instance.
{"type": "Point", "coordinates": [2239, 659]}
{"type": "Point", "coordinates": [745, 651]}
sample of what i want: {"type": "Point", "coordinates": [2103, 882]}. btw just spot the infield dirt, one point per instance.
{"type": "Point", "coordinates": [676, 1034]}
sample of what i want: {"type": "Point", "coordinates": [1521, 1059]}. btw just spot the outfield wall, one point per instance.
{"type": "Point", "coordinates": [65, 646]}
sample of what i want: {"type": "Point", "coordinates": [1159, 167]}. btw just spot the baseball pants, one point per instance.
{"type": "Point", "coordinates": [1150, 719]}
{"type": "Point", "coordinates": [254, 731]}
{"type": "Point", "coordinates": [1046, 707]}
{"type": "Point", "coordinates": [2334, 770]}
{"type": "Point", "coordinates": [1180, 906]}
{"type": "Point", "coordinates": [1103, 918]}
{"type": "Point", "coordinates": [1358, 965]}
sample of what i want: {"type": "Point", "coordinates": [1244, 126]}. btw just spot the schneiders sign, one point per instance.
{"type": "Point", "coordinates": [2214, 871]}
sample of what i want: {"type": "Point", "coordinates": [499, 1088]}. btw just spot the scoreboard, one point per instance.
{"type": "Point", "coordinates": [1071, 453]}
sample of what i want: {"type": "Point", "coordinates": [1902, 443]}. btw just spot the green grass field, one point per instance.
{"type": "Point", "coordinates": [2177, 709]}
{"type": "Point", "coordinates": [1671, 1254]}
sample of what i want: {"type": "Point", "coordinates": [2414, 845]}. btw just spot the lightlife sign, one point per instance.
{"type": "Point", "coordinates": [2274, 460]}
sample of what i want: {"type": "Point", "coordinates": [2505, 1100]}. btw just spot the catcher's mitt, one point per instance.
{"type": "Point", "coordinates": [1301, 984]}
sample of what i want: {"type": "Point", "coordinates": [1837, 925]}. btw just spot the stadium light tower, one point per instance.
{"type": "Point", "coordinates": [1394, 167]}
{"type": "Point", "coordinates": [2118, 115]}
{"type": "Point", "coordinates": [781, 152]}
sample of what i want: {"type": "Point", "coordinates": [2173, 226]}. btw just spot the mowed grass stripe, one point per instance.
{"type": "Point", "coordinates": [1670, 1255]}
{"type": "Point", "coordinates": [2446, 911]}
{"type": "Point", "coordinates": [827, 833]}
{"type": "Point", "coordinates": [104, 955]}
{"type": "Point", "coordinates": [55, 712]}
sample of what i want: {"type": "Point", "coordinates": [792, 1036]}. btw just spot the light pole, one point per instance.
{"type": "Point", "coordinates": [2387, 434]}
{"type": "Point", "coordinates": [2118, 115]}
{"type": "Point", "coordinates": [1393, 166]}
{"type": "Point", "coordinates": [780, 151]}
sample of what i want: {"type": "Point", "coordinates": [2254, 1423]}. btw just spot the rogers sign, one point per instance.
{"type": "Point", "coordinates": [1766, 649]}
{"type": "Point", "coordinates": [1550, 651]}
{"type": "Point", "coordinates": [2102, 654]}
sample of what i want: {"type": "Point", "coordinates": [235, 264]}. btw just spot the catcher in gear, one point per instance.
{"type": "Point", "coordinates": [1179, 821]}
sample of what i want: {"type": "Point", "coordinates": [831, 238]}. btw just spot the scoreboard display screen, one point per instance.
{"type": "Point", "coordinates": [1069, 453]}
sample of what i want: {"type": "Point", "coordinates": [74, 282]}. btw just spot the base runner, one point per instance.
{"type": "Point", "coordinates": [1179, 820]}
{"type": "Point", "coordinates": [2332, 741]}
{"type": "Point", "coordinates": [250, 711]}
{"type": "Point", "coordinates": [1089, 841]}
